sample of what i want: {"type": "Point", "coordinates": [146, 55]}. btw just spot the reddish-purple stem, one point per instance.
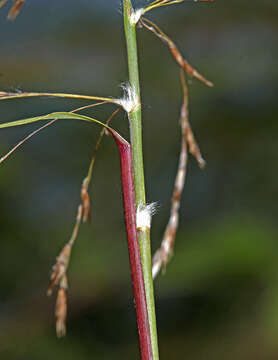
{"type": "Point", "coordinates": [133, 247]}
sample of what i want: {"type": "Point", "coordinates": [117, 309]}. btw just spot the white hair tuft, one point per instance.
{"type": "Point", "coordinates": [144, 215]}
{"type": "Point", "coordinates": [136, 15]}
{"type": "Point", "coordinates": [130, 101]}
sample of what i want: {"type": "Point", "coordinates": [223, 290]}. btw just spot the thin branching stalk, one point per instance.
{"type": "Point", "coordinates": [163, 255]}
{"type": "Point", "coordinates": [135, 119]}
{"type": "Point", "coordinates": [159, 3]}
{"type": "Point", "coordinates": [59, 272]}
{"type": "Point", "coordinates": [151, 26]}
{"type": "Point", "coordinates": [9, 95]}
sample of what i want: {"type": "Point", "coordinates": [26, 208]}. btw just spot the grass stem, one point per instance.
{"type": "Point", "coordinates": [135, 119]}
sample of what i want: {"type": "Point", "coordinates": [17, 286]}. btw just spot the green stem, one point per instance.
{"type": "Point", "coordinates": [135, 118]}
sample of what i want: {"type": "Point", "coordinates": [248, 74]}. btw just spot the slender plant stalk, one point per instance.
{"type": "Point", "coordinates": [6, 96]}
{"type": "Point", "coordinates": [138, 168]}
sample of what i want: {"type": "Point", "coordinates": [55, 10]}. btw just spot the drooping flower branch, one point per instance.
{"type": "Point", "coordinates": [151, 26]}
{"type": "Point", "coordinates": [83, 213]}
{"type": "Point", "coordinates": [163, 255]}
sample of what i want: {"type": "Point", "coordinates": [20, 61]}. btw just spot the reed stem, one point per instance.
{"type": "Point", "coordinates": [135, 120]}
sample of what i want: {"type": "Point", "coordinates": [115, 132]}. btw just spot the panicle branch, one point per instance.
{"type": "Point", "coordinates": [163, 255]}
{"type": "Point", "coordinates": [186, 129]}
{"type": "Point", "coordinates": [59, 272]}
{"type": "Point", "coordinates": [129, 102]}
{"type": "Point", "coordinates": [149, 25]}
{"type": "Point", "coordinates": [62, 261]}
{"type": "Point", "coordinates": [17, 95]}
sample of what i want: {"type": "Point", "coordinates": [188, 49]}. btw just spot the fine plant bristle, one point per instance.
{"type": "Point", "coordinates": [129, 101]}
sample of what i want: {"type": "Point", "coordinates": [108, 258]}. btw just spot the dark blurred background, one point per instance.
{"type": "Point", "coordinates": [219, 296]}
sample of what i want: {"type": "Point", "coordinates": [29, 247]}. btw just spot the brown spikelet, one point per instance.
{"type": "Point", "coordinates": [193, 147]}
{"type": "Point", "coordinates": [59, 277]}
{"type": "Point", "coordinates": [186, 127]}
{"type": "Point", "coordinates": [61, 308]}
{"type": "Point", "coordinates": [194, 73]}
{"type": "Point", "coordinates": [16, 8]}
{"type": "Point", "coordinates": [3, 2]}
{"type": "Point", "coordinates": [76, 226]}
{"type": "Point", "coordinates": [60, 268]}
{"type": "Point", "coordinates": [85, 200]}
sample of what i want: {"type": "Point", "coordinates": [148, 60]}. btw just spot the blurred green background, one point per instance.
{"type": "Point", "coordinates": [219, 296]}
